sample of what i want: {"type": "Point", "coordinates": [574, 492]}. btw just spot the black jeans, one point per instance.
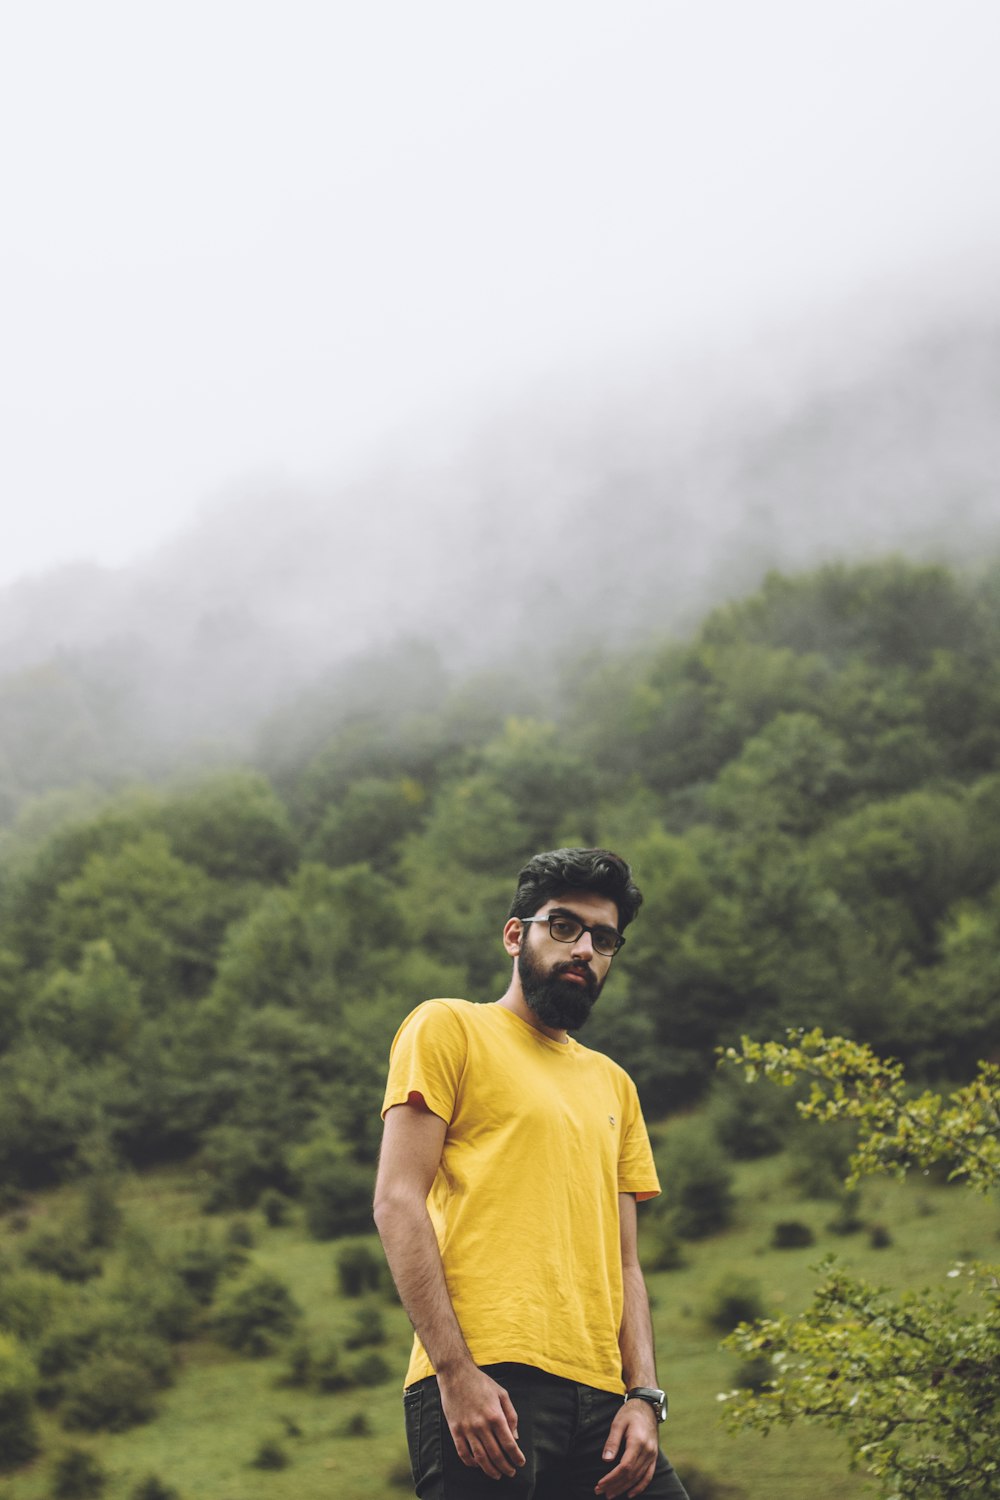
{"type": "Point", "coordinates": [562, 1429]}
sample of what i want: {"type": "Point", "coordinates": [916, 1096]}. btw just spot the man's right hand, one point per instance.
{"type": "Point", "coordinates": [482, 1421]}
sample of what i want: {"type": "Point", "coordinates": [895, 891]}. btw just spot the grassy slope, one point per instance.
{"type": "Point", "coordinates": [212, 1421]}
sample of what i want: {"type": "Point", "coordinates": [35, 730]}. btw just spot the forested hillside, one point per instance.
{"type": "Point", "coordinates": [809, 790]}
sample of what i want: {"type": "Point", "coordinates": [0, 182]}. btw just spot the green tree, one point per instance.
{"type": "Point", "coordinates": [18, 1383]}
{"type": "Point", "coordinates": [911, 1380]}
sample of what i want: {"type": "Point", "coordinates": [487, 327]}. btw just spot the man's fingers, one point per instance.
{"type": "Point", "coordinates": [510, 1414]}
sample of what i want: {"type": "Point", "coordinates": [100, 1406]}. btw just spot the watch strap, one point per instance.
{"type": "Point", "coordinates": [654, 1397]}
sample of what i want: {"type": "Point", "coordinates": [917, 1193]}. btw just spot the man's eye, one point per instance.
{"type": "Point", "coordinates": [605, 937]}
{"type": "Point", "coordinates": [562, 927]}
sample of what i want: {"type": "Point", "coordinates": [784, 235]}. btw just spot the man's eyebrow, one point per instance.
{"type": "Point", "coordinates": [567, 911]}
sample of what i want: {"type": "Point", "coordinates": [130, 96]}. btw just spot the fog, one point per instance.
{"type": "Point", "coordinates": [586, 515]}
{"type": "Point", "coordinates": [513, 331]}
{"type": "Point", "coordinates": [251, 246]}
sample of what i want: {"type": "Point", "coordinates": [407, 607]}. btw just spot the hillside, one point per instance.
{"type": "Point", "coordinates": [578, 521]}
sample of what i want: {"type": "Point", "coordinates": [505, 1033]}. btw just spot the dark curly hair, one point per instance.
{"type": "Point", "coordinates": [557, 871]}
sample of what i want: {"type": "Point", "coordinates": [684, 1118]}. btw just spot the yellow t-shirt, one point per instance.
{"type": "Point", "coordinates": [542, 1137]}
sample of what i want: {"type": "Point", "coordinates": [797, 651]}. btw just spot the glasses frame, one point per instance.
{"type": "Point", "coordinates": [565, 916]}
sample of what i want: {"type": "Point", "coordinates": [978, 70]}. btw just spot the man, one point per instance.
{"type": "Point", "coordinates": [511, 1163]}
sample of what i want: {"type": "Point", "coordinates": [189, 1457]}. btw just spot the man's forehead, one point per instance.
{"type": "Point", "coordinates": [589, 906]}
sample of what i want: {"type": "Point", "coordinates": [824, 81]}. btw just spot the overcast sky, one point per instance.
{"type": "Point", "coordinates": [245, 239]}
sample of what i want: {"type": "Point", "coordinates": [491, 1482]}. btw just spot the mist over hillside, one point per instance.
{"type": "Point", "coordinates": [575, 520]}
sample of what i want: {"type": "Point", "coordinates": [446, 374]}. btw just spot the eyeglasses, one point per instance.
{"type": "Point", "coordinates": [569, 929]}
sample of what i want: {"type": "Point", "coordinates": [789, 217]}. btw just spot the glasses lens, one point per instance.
{"type": "Point", "coordinates": [605, 939]}
{"type": "Point", "coordinates": [565, 929]}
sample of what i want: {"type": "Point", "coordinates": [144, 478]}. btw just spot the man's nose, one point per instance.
{"type": "Point", "coordinates": [583, 947]}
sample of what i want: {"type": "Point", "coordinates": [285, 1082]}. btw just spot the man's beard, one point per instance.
{"type": "Point", "coordinates": [558, 1002]}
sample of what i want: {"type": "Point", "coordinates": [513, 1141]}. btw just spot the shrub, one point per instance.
{"type": "Point", "coordinates": [734, 1299]}
{"type": "Point", "coordinates": [664, 1251]}
{"type": "Point", "coordinates": [819, 1164]}
{"type": "Point", "coordinates": [360, 1268]}
{"type": "Point", "coordinates": [102, 1217]}
{"type": "Point", "coordinates": [63, 1253]}
{"type": "Point", "coordinates": [698, 1181]}
{"type": "Point", "coordinates": [328, 1372]}
{"type": "Point", "coordinates": [270, 1455]}
{"type": "Point", "coordinates": [28, 1302]}
{"type": "Point", "coordinates": [18, 1382]}
{"type": "Point", "coordinates": [164, 1306]}
{"type": "Point", "coordinates": [275, 1207]}
{"type": "Point", "coordinates": [77, 1475]}
{"type": "Point", "coordinates": [200, 1266]}
{"type": "Point", "coordinates": [239, 1234]}
{"type": "Point", "coordinates": [153, 1488]}
{"type": "Point", "coordinates": [257, 1313]}
{"type": "Point", "coordinates": [791, 1234]}
{"type": "Point", "coordinates": [879, 1237]}
{"type": "Point", "coordinates": [357, 1425]}
{"type": "Point", "coordinates": [753, 1374]}
{"type": "Point", "coordinates": [109, 1392]}
{"type": "Point", "coordinates": [298, 1370]}
{"type": "Point", "coordinates": [749, 1123]}
{"type": "Point", "coordinates": [241, 1164]}
{"type": "Point", "coordinates": [399, 1475]}
{"type": "Point", "coordinates": [336, 1192]}
{"type": "Point", "coordinates": [368, 1328]}
{"type": "Point", "coordinates": [701, 1484]}
{"type": "Point", "coordinates": [847, 1219]}
{"type": "Point", "coordinates": [369, 1369]}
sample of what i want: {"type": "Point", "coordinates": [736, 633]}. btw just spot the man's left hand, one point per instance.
{"type": "Point", "coordinates": [634, 1441]}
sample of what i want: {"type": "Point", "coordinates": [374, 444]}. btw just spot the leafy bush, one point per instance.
{"type": "Point", "coordinates": [819, 1164]}
{"type": "Point", "coordinates": [367, 1328]}
{"type": "Point", "coordinates": [701, 1484]}
{"type": "Point", "coordinates": [360, 1268]}
{"type": "Point", "coordinates": [336, 1192]}
{"type": "Point", "coordinates": [255, 1314]}
{"type": "Point", "coordinates": [77, 1475]}
{"type": "Point", "coordinates": [357, 1424]}
{"type": "Point", "coordinates": [162, 1305]}
{"type": "Point", "coordinates": [370, 1369]}
{"type": "Point", "coordinates": [698, 1181]}
{"type": "Point", "coordinates": [270, 1455]}
{"type": "Point", "coordinates": [275, 1206]}
{"type": "Point", "coordinates": [328, 1372]}
{"type": "Point", "coordinates": [153, 1488]}
{"type": "Point", "coordinates": [239, 1235]}
{"type": "Point", "coordinates": [749, 1123]}
{"type": "Point", "coordinates": [18, 1382]}
{"type": "Point", "coordinates": [663, 1250]}
{"type": "Point", "coordinates": [109, 1392]}
{"type": "Point", "coordinates": [879, 1237]}
{"type": "Point", "coordinates": [298, 1371]}
{"type": "Point", "coordinates": [753, 1374]}
{"type": "Point", "coordinates": [734, 1299]}
{"type": "Point", "coordinates": [791, 1234]}
{"type": "Point", "coordinates": [29, 1300]}
{"type": "Point", "coordinates": [63, 1253]}
{"type": "Point", "coordinates": [200, 1266]}
{"type": "Point", "coordinates": [101, 1214]}
{"type": "Point", "coordinates": [847, 1219]}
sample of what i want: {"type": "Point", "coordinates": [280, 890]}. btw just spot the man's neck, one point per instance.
{"type": "Point", "coordinates": [513, 1000]}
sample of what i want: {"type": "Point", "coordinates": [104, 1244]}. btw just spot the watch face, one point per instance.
{"type": "Point", "coordinates": [657, 1399]}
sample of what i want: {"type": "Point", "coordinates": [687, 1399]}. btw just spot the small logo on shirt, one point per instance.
{"type": "Point", "coordinates": [611, 1119]}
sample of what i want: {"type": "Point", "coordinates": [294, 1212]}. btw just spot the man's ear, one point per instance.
{"type": "Point", "coordinates": [513, 934]}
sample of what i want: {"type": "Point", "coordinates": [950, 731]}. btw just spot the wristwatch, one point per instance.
{"type": "Point", "coordinates": [648, 1393]}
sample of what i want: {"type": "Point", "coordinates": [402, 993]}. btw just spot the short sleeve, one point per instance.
{"type": "Point", "coordinates": [636, 1167]}
{"type": "Point", "coordinates": [427, 1059]}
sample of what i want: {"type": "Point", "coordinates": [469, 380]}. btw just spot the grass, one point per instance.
{"type": "Point", "coordinates": [223, 1406]}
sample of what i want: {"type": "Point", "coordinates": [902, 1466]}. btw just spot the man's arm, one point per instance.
{"type": "Point", "coordinates": [479, 1412]}
{"type": "Point", "coordinates": [633, 1438]}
